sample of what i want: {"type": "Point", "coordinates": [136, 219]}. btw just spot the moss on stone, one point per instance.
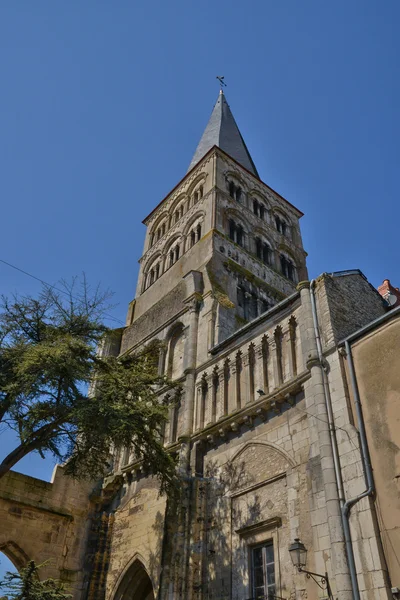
{"type": "Point", "coordinates": [240, 321]}
{"type": "Point", "coordinates": [219, 293]}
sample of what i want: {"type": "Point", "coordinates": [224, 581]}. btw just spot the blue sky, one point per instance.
{"type": "Point", "coordinates": [103, 103]}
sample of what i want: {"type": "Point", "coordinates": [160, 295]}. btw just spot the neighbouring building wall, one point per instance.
{"type": "Point", "coordinates": [376, 361]}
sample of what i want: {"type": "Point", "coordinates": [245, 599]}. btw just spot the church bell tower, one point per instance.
{"type": "Point", "coordinates": [222, 229]}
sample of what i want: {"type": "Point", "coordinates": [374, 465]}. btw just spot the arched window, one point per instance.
{"type": "Point", "coordinates": [255, 207]}
{"type": "Point", "coordinates": [281, 225]}
{"type": "Point", "coordinates": [192, 238]}
{"type": "Point", "coordinates": [198, 232]}
{"type": "Point", "coordinates": [263, 251]}
{"type": "Point", "coordinates": [287, 267]}
{"type": "Point", "coordinates": [235, 191]}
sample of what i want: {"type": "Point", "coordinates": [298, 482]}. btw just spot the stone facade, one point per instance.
{"type": "Point", "coordinates": [262, 424]}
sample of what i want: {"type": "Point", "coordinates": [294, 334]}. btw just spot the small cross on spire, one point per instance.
{"type": "Point", "coordinates": [221, 82]}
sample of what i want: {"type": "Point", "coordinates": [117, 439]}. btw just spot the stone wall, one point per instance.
{"type": "Point", "coordinates": [44, 521]}
{"type": "Point", "coordinates": [376, 363]}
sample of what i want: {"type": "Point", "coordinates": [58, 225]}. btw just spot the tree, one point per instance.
{"type": "Point", "coordinates": [25, 585]}
{"type": "Point", "coordinates": [50, 358]}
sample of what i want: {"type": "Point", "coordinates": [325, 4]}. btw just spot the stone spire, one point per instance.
{"type": "Point", "coordinates": [223, 132]}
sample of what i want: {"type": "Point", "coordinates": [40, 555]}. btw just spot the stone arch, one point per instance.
{"type": "Point", "coordinates": [198, 215]}
{"type": "Point", "coordinates": [153, 258]}
{"type": "Point", "coordinates": [175, 244]}
{"type": "Point", "coordinates": [237, 216]}
{"type": "Point", "coordinates": [273, 447]}
{"type": "Point", "coordinates": [158, 221]}
{"type": "Point", "coordinates": [277, 210]}
{"type": "Point", "coordinates": [199, 179]}
{"type": "Point", "coordinates": [255, 463]}
{"type": "Point", "coordinates": [152, 270]}
{"type": "Point", "coordinates": [134, 582]}
{"type": "Point", "coordinates": [15, 554]}
{"type": "Point", "coordinates": [236, 177]}
{"type": "Point", "coordinates": [181, 199]}
{"type": "Point", "coordinates": [253, 193]}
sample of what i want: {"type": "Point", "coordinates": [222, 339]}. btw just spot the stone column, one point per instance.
{"type": "Point", "coordinates": [233, 384]}
{"type": "Point", "coordinates": [259, 381]}
{"type": "Point", "coordinates": [191, 356]}
{"type": "Point", "coordinates": [221, 392]}
{"type": "Point", "coordinates": [197, 409]}
{"type": "Point", "coordinates": [290, 350]}
{"type": "Point", "coordinates": [245, 383]}
{"type": "Point", "coordinates": [275, 383]}
{"type": "Point", "coordinates": [316, 404]}
{"type": "Point", "coordinates": [209, 400]}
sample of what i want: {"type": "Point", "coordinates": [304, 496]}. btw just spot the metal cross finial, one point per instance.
{"type": "Point", "coordinates": [221, 81]}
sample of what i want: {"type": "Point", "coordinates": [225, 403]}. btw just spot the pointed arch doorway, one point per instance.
{"type": "Point", "coordinates": [136, 584]}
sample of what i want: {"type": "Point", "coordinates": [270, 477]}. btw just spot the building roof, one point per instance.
{"type": "Point", "coordinates": [222, 131]}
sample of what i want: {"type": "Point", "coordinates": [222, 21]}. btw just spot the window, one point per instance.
{"type": "Point", "coordinates": [258, 209]}
{"type": "Point", "coordinates": [235, 191]}
{"type": "Point", "coordinates": [263, 251]}
{"type": "Point", "coordinates": [287, 268]}
{"type": "Point", "coordinates": [263, 571]}
{"type": "Point", "coordinates": [239, 235]}
{"type": "Point", "coordinates": [280, 225]}
{"type": "Point", "coordinates": [232, 229]}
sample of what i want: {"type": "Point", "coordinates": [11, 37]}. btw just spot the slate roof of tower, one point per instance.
{"type": "Point", "coordinates": [223, 132]}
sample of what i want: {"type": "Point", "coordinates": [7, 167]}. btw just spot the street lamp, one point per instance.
{"type": "Point", "coordinates": [298, 554]}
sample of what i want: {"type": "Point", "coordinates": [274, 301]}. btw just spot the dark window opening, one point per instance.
{"type": "Point", "coordinates": [287, 268]}
{"type": "Point", "coordinates": [239, 235]}
{"type": "Point", "coordinates": [258, 248]}
{"type": "Point", "coordinates": [232, 229]}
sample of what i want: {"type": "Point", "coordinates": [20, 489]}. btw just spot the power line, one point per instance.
{"type": "Point", "coordinates": [53, 287]}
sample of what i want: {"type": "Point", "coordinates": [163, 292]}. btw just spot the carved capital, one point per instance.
{"type": "Point", "coordinates": [303, 285]}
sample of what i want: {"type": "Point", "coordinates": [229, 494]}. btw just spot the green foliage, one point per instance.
{"type": "Point", "coordinates": [25, 585]}
{"type": "Point", "coordinates": [49, 359]}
